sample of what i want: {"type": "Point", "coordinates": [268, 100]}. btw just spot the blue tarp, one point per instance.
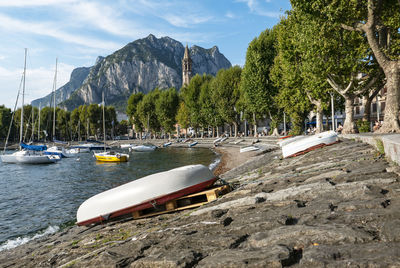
{"type": "Point", "coordinates": [33, 147]}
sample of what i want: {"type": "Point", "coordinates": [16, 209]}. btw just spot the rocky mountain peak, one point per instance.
{"type": "Point", "coordinates": [141, 66]}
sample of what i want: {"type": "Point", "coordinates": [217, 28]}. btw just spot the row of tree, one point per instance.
{"type": "Point", "coordinates": [319, 52]}
{"type": "Point", "coordinates": [79, 124]}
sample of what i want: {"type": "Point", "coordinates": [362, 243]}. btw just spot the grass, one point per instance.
{"type": "Point", "coordinates": [380, 147]}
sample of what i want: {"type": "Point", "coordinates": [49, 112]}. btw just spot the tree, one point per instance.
{"type": "Point", "coordinates": [226, 92]}
{"type": "Point", "coordinates": [190, 95]}
{"type": "Point", "coordinates": [286, 75]}
{"type": "Point", "coordinates": [166, 108]}
{"type": "Point", "coordinates": [146, 111]}
{"type": "Point", "coordinates": [5, 119]}
{"type": "Point", "coordinates": [94, 115]}
{"type": "Point", "coordinates": [63, 130]}
{"type": "Point", "coordinates": [208, 112]}
{"type": "Point", "coordinates": [132, 111]}
{"type": "Point", "coordinates": [256, 81]}
{"type": "Point", "coordinates": [182, 117]}
{"type": "Point", "coordinates": [379, 21]}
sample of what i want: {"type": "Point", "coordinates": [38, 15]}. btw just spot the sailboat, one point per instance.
{"type": "Point", "coordinates": [108, 156]}
{"type": "Point", "coordinates": [28, 154]}
{"type": "Point", "coordinates": [55, 150]}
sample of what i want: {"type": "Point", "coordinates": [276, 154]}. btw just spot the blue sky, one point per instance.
{"type": "Point", "coordinates": [77, 31]}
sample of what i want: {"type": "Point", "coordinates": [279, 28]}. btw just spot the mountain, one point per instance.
{"type": "Point", "coordinates": [78, 75]}
{"type": "Point", "coordinates": [141, 66]}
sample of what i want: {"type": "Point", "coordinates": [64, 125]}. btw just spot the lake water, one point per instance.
{"type": "Point", "coordinates": [39, 199]}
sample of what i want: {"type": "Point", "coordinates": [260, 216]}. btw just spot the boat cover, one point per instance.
{"type": "Point", "coordinates": [33, 147]}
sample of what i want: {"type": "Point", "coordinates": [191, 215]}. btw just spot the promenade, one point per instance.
{"type": "Point", "coordinates": [332, 207]}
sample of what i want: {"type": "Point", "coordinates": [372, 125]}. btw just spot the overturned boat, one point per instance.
{"type": "Point", "coordinates": [304, 144]}
{"type": "Point", "coordinates": [149, 191]}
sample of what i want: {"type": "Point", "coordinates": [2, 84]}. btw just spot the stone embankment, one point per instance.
{"type": "Point", "coordinates": [333, 207]}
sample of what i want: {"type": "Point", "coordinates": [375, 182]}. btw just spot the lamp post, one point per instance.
{"type": "Point", "coordinates": [333, 112]}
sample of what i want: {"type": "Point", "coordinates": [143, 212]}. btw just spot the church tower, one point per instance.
{"type": "Point", "coordinates": [186, 67]}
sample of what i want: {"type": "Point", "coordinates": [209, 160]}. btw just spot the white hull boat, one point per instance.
{"type": "Point", "coordinates": [249, 149]}
{"type": "Point", "coordinates": [308, 143]}
{"type": "Point", "coordinates": [144, 148]}
{"type": "Point", "coordinates": [127, 145]}
{"type": "Point", "coordinates": [289, 140]}
{"type": "Point", "coordinates": [155, 189]}
{"type": "Point", "coordinates": [28, 157]}
{"type": "Point", "coordinates": [61, 152]}
{"type": "Point", "coordinates": [167, 144]}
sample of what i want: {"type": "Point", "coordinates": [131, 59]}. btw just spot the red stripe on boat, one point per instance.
{"type": "Point", "coordinates": [147, 204]}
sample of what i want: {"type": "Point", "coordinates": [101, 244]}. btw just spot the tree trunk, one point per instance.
{"type": "Point", "coordinates": [186, 131]}
{"type": "Point", "coordinates": [349, 126]}
{"type": "Point", "coordinates": [236, 129]}
{"type": "Point", "coordinates": [367, 109]}
{"type": "Point", "coordinates": [217, 131]}
{"type": "Point", "coordinates": [255, 125]}
{"type": "Point", "coordinates": [319, 114]}
{"type": "Point", "coordinates": [391, 118]}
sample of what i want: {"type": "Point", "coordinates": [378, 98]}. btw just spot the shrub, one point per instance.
{"type": "Point", "coordinates": [363, 126]}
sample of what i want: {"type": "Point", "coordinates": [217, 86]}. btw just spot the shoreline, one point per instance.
{"type": "Point", "coordinates": [340, 201]}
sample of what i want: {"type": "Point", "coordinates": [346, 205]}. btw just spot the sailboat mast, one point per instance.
{"type": "Point", "coordinates": [54, 101]}
{"type": "Point", "coordinates": [38, 129]}
{"type": "Point", "coordinates": [22, 108]}
{"type": "Point", "coordinates": [104, 124]}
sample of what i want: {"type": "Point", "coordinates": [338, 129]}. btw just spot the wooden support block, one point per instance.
{"type": "Point", "coordinates": [185, 202]}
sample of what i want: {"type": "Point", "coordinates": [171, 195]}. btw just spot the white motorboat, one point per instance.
{"type": "Point", "coordinates": [144, 148]}
{"type": "Point", "coordinates": [249, 149]}
{"type": "Point", "coordinates": [146, 192]}
{"type": "Point", "coordinates": [308, 143]}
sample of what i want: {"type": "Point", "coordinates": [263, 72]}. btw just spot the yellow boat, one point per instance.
{"type": "Point", "coordinates": [111, 157]}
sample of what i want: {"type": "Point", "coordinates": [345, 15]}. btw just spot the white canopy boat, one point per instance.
{"type": "Point", "coordinates": [155, 189]}
{"type": "Point", "coordinates": [144, 148]}
{"type": "Point", "coordinates": [308, 143]}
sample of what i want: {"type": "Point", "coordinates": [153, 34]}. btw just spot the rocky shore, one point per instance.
{"type": "Point", "coordinates": [333, 207]}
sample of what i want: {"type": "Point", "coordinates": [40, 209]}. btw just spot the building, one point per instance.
{"type": "Point", "coordinates": [186, 67]}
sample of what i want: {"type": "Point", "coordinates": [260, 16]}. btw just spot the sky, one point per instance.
{"type": "Point", "coordinates": [78, 31]}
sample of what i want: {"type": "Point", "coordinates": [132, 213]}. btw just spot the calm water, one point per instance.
{"type": "Point", "coordinates": [38, 199]}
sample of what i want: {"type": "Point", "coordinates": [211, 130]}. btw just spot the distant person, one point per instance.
{"type": "Point", "coordinates": [339, 129]}
{"type": "Point", "coordinates": [376, 126]}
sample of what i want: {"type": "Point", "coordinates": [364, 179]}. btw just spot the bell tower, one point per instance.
{"type": "Point", "coordinates": [186, 67]}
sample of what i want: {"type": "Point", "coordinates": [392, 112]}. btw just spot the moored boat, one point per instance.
{"type": "Point", "coordinates": [249, 149]}
{"type": "Point", "coordinates": [308, 143]}
{"type": "Point", "coordinates": [111, 157]}
{"type": "Point", "coordinates": [155, 189]}
{"type": "Point", "coordinates": [127, 145]}
{"type": "Point", "coordinates": [144, 148]}
{"type": "Point", "coordinates": [193, 144]}
{"type": "Point", "coordinates": [167, 144]}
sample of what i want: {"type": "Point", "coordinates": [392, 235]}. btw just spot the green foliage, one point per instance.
{"type": "Point", "coordinates": [182, 116]}
{"type": "Point", "coordinates": [256, 80]}
{"type": "Point", "coordinates": [363, 126]}
{"type": "Point", "coordinates": [380, 146]}
{"type": "Point", "coordinates": [166, 109]}
{"type": "Point", "coordinates": [5, 119]}
{"type": "Point", "coordinates": [226, 93]}
{"type": "Point", "coordinates": [146, 111]}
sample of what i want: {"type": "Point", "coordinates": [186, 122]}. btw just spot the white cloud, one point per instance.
{"type": "Point", "coordinates": [2, 57]}
{"type": "Point", "coordinates": [39, 82]}
{"type": "Point", "coordinates": [256, 8]}
{"type": "Point", "coordinates": [52, 30]}
{"type": "Point", "coordinates": [26, 3]}
{"type": "Point", "coordinates": [230, 15]}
